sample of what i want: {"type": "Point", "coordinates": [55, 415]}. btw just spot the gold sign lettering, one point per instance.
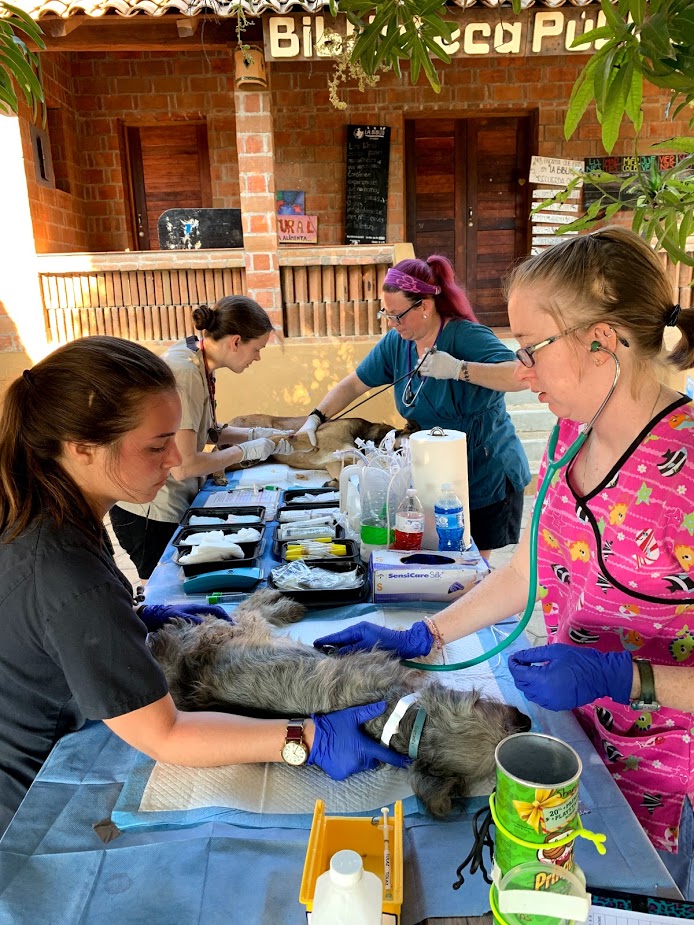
{"type": "Point", "coordinates": [478, 33]}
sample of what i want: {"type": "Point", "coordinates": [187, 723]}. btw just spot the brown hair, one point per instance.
{"type": "Point", "coordinates": [88, 391]}
{"type": "Point", "coordinates": [613, 276]}
{"type": "Point", "coordinates": [437, 270]}
{"type": "Point", "coordinates": [231, 315]}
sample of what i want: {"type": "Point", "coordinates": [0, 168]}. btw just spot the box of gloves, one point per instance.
{"type": "Point", "coordinates": [424, 575]}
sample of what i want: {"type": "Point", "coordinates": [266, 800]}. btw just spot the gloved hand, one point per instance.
{"type": "Point", "coordinates": [563, 677]}
{"type": "Point", "coordinates": [254, 433]}
{"type": "Point", "coordinates": [365, 636]}
{"type": "Point", "coordinates": [440, 365]}
{"type": "Point", "coordinates": [283, 448]}
{"type": "Point", "coordinates": [341, 747]}
{"type": "Point", "coordinates": [154, 616]}
{"type": "Point", "coordinates": [256, 450]}
{"type": "Point", "coordinates": [310, 426]}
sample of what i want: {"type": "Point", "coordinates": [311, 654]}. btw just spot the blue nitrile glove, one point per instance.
{"type": "Point", "coordinates": [562, 677]}
{"type": "Point", "coordinates": [363, 637]}
{"type": "Point", "coordinates": [154, 616]}
{"type": "Point", "coordinates": [341, 747]}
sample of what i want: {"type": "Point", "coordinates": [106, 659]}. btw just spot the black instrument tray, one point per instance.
{"type": "Point", "coordinates": [258, 512]}
{"type": "Point", "coordinates": [352, 551]}
{"type": "Point", "coordinates": [252, 551]}
{"type": "Point", "coordinates": [324, 598]}
{"type": "Point", "coordinates": [277, 542]}
{"type": "Point", "coordinates": [291, 493]}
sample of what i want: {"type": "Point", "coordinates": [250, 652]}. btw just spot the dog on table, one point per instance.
{"type": "Point", "coordinates": [245, 666]}
{"type": "Point", "coordinates": [331, 436]}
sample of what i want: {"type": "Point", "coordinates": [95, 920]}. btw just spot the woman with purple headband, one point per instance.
{"type": "Point", "coordinates": [460, 386]}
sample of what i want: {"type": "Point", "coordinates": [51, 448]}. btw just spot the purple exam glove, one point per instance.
{"type": "Point", "coordinates": [363, 637]}
{"type": "Point", "coordinates": [341, 747]}
{"type": "Point", "coordinates": [563, 677]}
{"type": "Point", "coordinates": [154, 616]}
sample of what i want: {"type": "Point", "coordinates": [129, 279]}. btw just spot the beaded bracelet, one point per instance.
{"type": "Point", "coordinates": [435, 632]}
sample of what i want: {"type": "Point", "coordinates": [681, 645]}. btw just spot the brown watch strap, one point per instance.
{"type": "Point", "coordinates": [295, 730]}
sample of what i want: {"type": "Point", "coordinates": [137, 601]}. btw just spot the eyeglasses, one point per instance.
{"type": "Point", "coordinates": [525, 354]}
{"type": "Point", "coordinates": [396, 319]}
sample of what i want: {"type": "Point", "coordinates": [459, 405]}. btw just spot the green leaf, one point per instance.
{"type": "Point", "coordinates": [679, 143]}
{"type": "Point", "coordinates": [615, 104]}
{"type": "Point", "coordinates": [581, 97]}
{"type": "Point", "coordinates": [613, 19]}
{"type": "Point", "coordinates": [634, 98]}
{"type": "Point", "coordinates": [603, 74]}
{"type": "Point", "coordinates": [637, 8]}
{"type": "Point", "coordinates": [602, 32]}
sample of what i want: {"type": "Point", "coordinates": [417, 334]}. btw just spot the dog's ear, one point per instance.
{"type": "Point", "coordinates": [435, 792]}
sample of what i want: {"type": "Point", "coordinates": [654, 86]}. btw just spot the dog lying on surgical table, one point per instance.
{"type": "Point", "coordinates": [331, 436]}
{"type": "Point", "coordinates": [233, 667]}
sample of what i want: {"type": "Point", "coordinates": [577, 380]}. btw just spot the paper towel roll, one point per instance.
{"type": "Point", "coordinates": [439, 456]}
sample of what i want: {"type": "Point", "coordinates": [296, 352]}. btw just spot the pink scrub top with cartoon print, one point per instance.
{"type": "Point", "coordinates": [616, 571]}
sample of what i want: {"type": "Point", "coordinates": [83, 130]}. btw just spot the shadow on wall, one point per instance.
{"type": "Point", "coordinates": [291, 381]}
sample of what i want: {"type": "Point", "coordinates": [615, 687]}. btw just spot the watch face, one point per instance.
{"type": "Point", "coordinates": [294, 753]}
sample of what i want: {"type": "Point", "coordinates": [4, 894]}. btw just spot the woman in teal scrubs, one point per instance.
{"type": "Point", "coordinates": [458, 387]}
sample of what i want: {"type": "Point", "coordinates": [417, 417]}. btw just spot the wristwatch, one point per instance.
{"type": "Point", "coordinates": [646, 699]}
{"type": "Point", "coordinates": [319, 414]}
{"type": "Point", "coordinates": [295, 751]}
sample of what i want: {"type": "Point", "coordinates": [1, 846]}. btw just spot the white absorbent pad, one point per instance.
{"type": "Point", "coordinates": [270, 788]}
{"type": "Point", "coordinates": [278, 789]}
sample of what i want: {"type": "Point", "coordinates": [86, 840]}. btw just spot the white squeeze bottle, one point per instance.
{"type": "Point", "coordinates": [347, 894]}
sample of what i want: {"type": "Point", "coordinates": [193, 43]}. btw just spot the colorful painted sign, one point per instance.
{"type": "Point", "coordinates": [297, 229]}
{"type": "Point", "coordinates": [290, 202]}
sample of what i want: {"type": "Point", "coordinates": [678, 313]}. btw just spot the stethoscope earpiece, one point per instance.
{"type": "Point", "coordinates": [595, 346]}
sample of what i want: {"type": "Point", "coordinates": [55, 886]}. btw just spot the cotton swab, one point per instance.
{"type": "Point", "coordinates": [388, 892]}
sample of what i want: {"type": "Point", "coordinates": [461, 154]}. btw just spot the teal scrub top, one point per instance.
{"type": "Point", "coordinates": [494, 451]}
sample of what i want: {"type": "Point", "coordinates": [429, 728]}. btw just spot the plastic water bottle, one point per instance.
{"type": "Point", "coordinates": [448, 513]}
{"type": "Point", "coordinates": [409, 522]}
{"type": "Point", "coordinates": [347, 894]}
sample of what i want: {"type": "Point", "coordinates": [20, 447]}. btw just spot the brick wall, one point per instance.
{"type": "Point", "coordinates": [145, 88]}
{"type": "Point", "coordinates": [57, 215]}
{"type": "Point", "coordinates": [310, 134]}
{"type": "Point", "coordinates": [100, 91]}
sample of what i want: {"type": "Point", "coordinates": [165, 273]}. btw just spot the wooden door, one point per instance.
{"type": "Point", "coordinates": [169, 168]}
{"type": "Point", "coordinates": [467, 198]}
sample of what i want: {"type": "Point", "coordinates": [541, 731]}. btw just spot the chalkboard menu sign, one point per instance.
{"type": "Point", "coordinates": [192, 229]}
{"type": "Point", "coordinates": [368, 150]}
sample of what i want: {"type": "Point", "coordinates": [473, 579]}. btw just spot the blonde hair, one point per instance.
{"type": "Point", "coordinates": [613, 276]}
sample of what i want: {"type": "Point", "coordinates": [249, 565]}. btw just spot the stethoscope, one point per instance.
{"type": "Point", "coordinates": [553, 466]}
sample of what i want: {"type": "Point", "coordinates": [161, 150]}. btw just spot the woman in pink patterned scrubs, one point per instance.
{"type": "Point", "coordinates": [616, 535]}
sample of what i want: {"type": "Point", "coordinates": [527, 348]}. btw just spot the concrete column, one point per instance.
{"type": "Point", "coordinates": [22, 325]}
{"type": "Point", "coordinates": [256, 156]}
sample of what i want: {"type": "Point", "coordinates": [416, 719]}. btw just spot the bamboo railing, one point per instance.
{"type": "Point", "coordinates": [327, 292]}
{"type": "Point", "coordinates": [135, 296]}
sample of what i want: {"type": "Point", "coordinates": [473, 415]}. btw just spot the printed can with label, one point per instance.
{"type": "Point", "coordinates": [536, 800]}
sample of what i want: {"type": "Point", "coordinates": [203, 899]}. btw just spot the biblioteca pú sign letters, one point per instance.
{"type": "Point", "coordinates": [479, 32]}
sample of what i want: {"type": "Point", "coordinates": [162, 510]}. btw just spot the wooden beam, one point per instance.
{"type": "Point", "coordinates": [59, 28]}
{"type": "Point", "coordinates": [187, 27]}
{"type": "Point", "coordinates": [139, 33]}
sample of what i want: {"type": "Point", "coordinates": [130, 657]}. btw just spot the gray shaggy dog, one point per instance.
{"type": "Point", "coordinates": [244, 667]}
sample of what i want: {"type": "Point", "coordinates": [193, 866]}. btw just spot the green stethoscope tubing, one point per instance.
{"type": "Point", "coordinates": [553, 466]}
